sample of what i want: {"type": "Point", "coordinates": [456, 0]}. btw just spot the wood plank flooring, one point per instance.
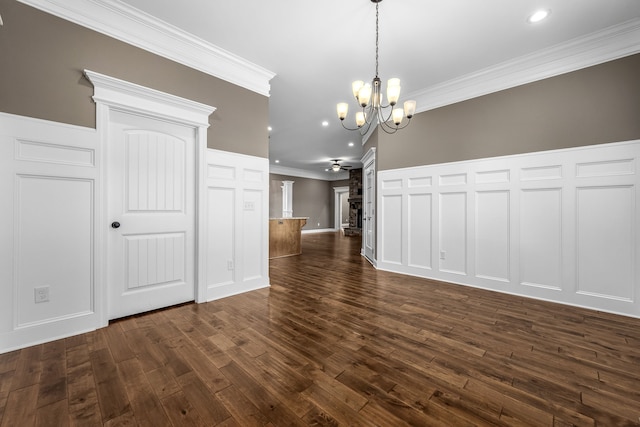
{"type": "Point", "coordinates": [335, 342]}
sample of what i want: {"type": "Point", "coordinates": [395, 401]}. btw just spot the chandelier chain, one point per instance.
{"type": "Point", "coordinates": [377, 4]}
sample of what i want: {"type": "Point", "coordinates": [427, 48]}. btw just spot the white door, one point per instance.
{"type": "Point", "coordinates": [151, 208]}
{"type": "Point", "coordinates": [369, 223]}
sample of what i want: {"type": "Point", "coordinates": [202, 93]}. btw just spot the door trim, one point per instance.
{"type": "Point", "coordinates": [337, 210]}
{"type": "Point", "coordinates": [369, 161]}
{"type": "Point", "coordinates": [111, 94]}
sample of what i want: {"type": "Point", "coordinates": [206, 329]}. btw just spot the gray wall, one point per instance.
{"type": "Point", "coordinates": [41, 76]}
{"type": "Point", "coordinates": [313, 198]}
{"type": "Point", "coordinates": [595, 105]}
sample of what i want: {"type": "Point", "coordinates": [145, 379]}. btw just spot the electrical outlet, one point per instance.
{"type": "Point", "coordinates": [41, 294]}
{"type": "Point", "coordinates": [443, 255]}
{"type": "Point", "coordinates": [230, 265]}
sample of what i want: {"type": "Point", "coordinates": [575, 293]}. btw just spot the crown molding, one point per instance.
{"type": "Point", "coordinates": [606, 45]}
{"type": "Point", "coordinates": [301, 173]}
{"type": "Point", "coordinates": [130, 25]}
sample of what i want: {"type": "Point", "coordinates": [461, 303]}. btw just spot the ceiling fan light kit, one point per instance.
{"type": "Point", "coordinates": [369, 98]}
{"type": "Point", "coordinates": [337, 167]}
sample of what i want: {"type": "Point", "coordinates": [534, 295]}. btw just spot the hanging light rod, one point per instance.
{"type": "Point", "coordinates": [369, 98]}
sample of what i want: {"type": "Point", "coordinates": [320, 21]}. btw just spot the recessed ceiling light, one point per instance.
{"type": "Point", "coordinates": [277, 161]}
{"type": "Point", "coordinates": [269, 128]}
{"type": "Point", "coordinates": [538, 15]}
{"type": "Point", "coordinates": [325, 123]}
{"type": "Point", "coordinates": [351, 144]}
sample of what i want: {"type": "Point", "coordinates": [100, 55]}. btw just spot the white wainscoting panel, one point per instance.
{"type": "Point", "coordinates": [421, 226]}
{"type": "Point", "coordinates": [221, 225]}
{"type": "Point", "coordinates": [560, 225]}
{"type": "Point", "coordinates": [492, 251]}
{"type": "Point", "coordinates": [49, 240]}
{"type": "Point", "coordinates": [236, 225]}
{"type": "Point", "coordinates": [605, 247]}
{"type": "Point", "coordinates": [53, 237]}
{"type": "Point", "coordinates": [391, 231]}
{"type": "Point", "coordinates": [540, 248]}
{"type": "Point", "coordinates": [253, 230]}
{"type": "Point", "coordinates": [54, 153]}
{"type": "Point", "coordinates": [453, 232]}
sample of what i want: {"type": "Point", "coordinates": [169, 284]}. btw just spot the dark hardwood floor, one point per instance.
{"type": "Point", "coordinates": [335, 342]}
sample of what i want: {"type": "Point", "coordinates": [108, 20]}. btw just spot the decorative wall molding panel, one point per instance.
{"type": "Point", "coordinates": [128, 24]}
{"type": "Point", "coordinates": [559, 225]}
{"type": "Point", "coordinates": [49, 183]}
{"type": "Point", "coordinates": [236, 226]}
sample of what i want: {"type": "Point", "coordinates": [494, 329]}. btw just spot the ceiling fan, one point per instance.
{"type": "Point", "coordinates": [337, 167]}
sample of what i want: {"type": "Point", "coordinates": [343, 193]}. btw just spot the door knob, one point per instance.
{"type": "Point", "coordinates": [115, 224]}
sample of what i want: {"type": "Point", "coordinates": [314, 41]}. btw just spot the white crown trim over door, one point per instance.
{"type": "Point", "coordinates": [116, 96]}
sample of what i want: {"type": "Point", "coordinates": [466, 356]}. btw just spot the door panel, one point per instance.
{"type": "Point", "coordinates": [155, 171]}
{"type": "Point", "coordinates": [162, 255]}
{"type": "Point", "coordinates": [151, 181]}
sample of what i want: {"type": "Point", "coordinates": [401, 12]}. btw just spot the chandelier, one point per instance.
{"type": "Point", "coordinates": [369, 98]}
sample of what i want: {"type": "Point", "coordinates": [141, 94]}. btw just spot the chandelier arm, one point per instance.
{"type": "Point", "coordinates": [386, 127]}
{"type": "Point", "coordinates": [389, 132]}
{"type": "Point", "coordinates": [369, 116]}
{"type": "Point", "coordinates": [369, 113]}
{"type": "Point", "coordinates": [405, 125]}
{"type": "Point", "coordinates": [382, 117]}
{"type": "Point", "coordinates": [364, 129]}
{"type": "Point", "coordinates": [393, 129]}
{"type": "Point", "coordinates": [348, 128]}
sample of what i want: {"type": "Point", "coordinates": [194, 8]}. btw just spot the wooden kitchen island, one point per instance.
{"type": "Point", "coordinates": [284, 236]}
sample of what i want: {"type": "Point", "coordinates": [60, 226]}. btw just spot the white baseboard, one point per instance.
{"type": "Point", "coordinates": [46, 332]}
{"type": "Point", "coordinates": [224, 291]}
{"type": "Point", "coordinates": [319, 230]}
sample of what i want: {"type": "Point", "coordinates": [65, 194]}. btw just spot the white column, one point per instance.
{"type": "Point", "coordinates": [287, 199]}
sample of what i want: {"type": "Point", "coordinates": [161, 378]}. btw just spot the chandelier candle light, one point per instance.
{"type": "Point", "coordinates": [369, 98]}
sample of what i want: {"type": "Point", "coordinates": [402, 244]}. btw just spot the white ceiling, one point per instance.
{"type": "Point", "coordinates": [317, 48]}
